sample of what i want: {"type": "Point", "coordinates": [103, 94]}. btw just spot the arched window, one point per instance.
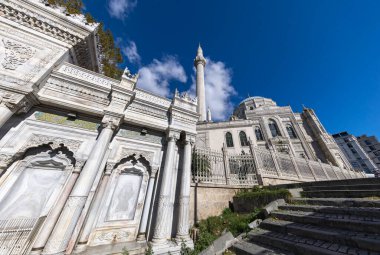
{"type": "Point", "coordinates": [259, 134]}
{"type": "Point", "coordinates": [291, 132]}
{"type": "Point", "coordinates": [243, 138]}
{"type": "Point", "coordinates": [273, 128]}
{"type": "Point", "coordinates": [229, 140]}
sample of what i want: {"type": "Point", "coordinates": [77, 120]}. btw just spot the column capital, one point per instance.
{"type": "Point", "coordinates": [15, 102]}
{"type": "Point", "coordinates": [154, 171]}
{"type": "Point", "coordinates": [79, 165]}
{"type": "Point", "coordinates": [112, 120]}
{"type": "Point", "coordinates": [190, 139]}
{"type": "Point", "coordinates": [109, 167]}
{"type": "Point", "coordinates": [173, 135]}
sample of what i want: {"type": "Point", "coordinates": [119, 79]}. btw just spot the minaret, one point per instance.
{"type": "Point", "coordinates": [199, 63]}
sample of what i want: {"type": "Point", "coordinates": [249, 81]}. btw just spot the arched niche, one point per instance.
{"type": "Point", "coordinates": [33, 184]}
{"type": "Point", "coordinates": [123, 201]}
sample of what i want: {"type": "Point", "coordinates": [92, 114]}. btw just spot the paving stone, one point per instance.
{"type": "Point", "coordinates": [334, 247]}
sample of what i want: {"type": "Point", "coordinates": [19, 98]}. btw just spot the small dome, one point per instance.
{"type": "Point", "coordinates": [257, 102]}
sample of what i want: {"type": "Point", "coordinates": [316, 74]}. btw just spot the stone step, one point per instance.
{"type": "Point", "coordinates": [339, 202]}
{"type": "Point", "coordinates": [371, 186]}
{"type": "Point", "coordinates": [359, 211]}
{"type": "Point", "coordinates": [356, 239]}
{"type": "Point", "coordinates": [341, 193]}
{"type": "Point", "coordinates": [349, 222]}
{"type": "Point", "coordinates": [247, 248]}
{"type": "Point", "coordinates": [301, 245]}
{"type": "Point", "coordinates": [332, 183]}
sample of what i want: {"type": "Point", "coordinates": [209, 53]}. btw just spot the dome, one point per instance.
{"type": "Point", "coordinates": [258, 101]}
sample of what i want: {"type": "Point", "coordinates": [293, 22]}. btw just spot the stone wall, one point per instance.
{"type": "Point", "coordinates": [209, 200]}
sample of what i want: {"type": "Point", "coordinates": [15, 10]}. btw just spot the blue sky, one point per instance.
{"type": "Point", "coordinates": [324, 54]}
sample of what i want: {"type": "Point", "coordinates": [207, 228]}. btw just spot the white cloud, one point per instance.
{"type": "Point", "coordinates": [120, 8]}
{"type": "Point", "coordinates": [155, 77]}
{"type": "Point", "coordinates": [218, 89]}
{"type": "Point", "coordinates": [130, 51]}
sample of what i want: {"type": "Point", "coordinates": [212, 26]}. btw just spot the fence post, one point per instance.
{"type": "Point", "coordinates": [276, 165]}
{"type": "Point", "coordinates": [226, 164]}
{"type": "Point", "coordinates": [256, 162]}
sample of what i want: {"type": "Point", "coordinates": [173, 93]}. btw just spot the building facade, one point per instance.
{"type": "Point", "coordinates": [88, 164]}
{"type": "Point", "coordinates": [354, 152]}
{"type": "Point", "coordinates": [272, 127]}
{"type": "Point", "coordinates": [371, 146]}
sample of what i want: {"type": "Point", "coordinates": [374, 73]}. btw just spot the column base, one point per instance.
{"type": "Point", "coordinates": [141, 238]}
{"type": "Point", "coordinates": [166, 248]}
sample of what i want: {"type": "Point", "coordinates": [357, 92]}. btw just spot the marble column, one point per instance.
{"type": "Point", "coordinates": [95, 206]}
{"type": "Point", "coordinates": [147, 204]}
{"type": "Point", "coordinates": [53, 216]}
{"type": "Point", "coordinates": [165, 206]}
{"type": "Point", "coordinates": [69, 217]}
{"type": "Point", "coordinates": [11, 103]}
{"type": "Point", "coordinates": [184, 194]}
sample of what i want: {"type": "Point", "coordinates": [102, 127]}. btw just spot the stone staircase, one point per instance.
{"type": "Point", "coordinates": [337, 217]}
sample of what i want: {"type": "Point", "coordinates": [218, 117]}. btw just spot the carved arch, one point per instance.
{"type": "Point", "coordinates": [38, 143]}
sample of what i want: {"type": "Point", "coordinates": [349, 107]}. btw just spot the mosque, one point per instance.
{"type": "Point", "coordinates": [94, 165]}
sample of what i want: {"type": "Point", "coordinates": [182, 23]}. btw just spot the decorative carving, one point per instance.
{"type": "Point", "coordinates": [183, 224]}
{"type": "Point", "coordinates": [38, 22]}
{"type": "Point", "coordinates": [148, 155]}
{"type": "Point", "coordinates": [86, 75]}
{"type": "Point", "coordinates": [185, 96]}
{"type": "Point", "coordinates": [112, 236]}
{"type": "Point", "coordinates": [165, 206]}
{"type": "Point", "coordinates": [152, 98]}
{"type": "Point", "coordinates": [109, 168]}
{"type": "Point", "coordinates": [148, 110]}
{"type": "Point", "coordinates": [9, 100]}
{"type": "Point", "coordinates": [128, 74]}
{"type": "Point", "coordinates": [111, 121]}
{"type": "Point", "coordinates": [62, 120]}
{"type": "Point", "coordinates": [77, 91]}
{"type": "Point", "coordinates": [53, 141]}
{"type": "Point", "coordinates": [16, 54]}
{"type": "Point", "coordinates": [135, 133]}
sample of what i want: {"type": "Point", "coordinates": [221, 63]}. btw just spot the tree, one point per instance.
{"type": "Point", "coordinates": [111, 55]}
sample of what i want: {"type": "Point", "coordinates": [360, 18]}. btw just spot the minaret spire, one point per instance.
{"type": "Point", "coordinates": [199, 63]}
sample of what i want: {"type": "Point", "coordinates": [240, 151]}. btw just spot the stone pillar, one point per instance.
{"type": "Point", "coordinates": [184, 194]}
{"type": "Point", "coordinates": [95, 207]}
{"type": "Point", "coordinates": [199, 63]}
{"type": "Point", "coordinates": [165, 206]}
{"type": "Point", "coordinates": [147, 205]}
{"type": "Point", "coordinates": [11, 103]}
{"type": "Point", "coordinates": [68, 219]}
{"type": "Point", "coordinates": [53, 216]}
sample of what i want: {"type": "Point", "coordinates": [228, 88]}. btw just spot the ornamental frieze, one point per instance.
{"type": "Point", "coordinates": [63, 120]}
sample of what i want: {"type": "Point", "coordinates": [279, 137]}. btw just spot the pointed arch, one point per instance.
{"type": "Point", "coordinates": [229, 140]}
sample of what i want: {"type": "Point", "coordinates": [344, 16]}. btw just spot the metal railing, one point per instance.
{"type": "Point", "coordinates": [220, 167]}
{"type": "Point", "coordinates": [16, 235]}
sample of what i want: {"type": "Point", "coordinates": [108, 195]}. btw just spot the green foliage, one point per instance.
{"type": "Point", "coordinates": [125, 251]}
{"type": "Point", "coordinates": [149, 250]}
{"type": "Point", "coordinates": [211, 228]}
{"type": "Point", "coordinates": [111, 54]}
{"type": "Point", "coordinates": [185, 250]}
{"type": "Point", "coordinates": [200, 164]}
{"type": "Point", "coordinates": [258, 197]}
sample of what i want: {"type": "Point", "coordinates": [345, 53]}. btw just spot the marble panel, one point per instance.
{"type": "Point", "coordinates": [124, 198]}
{"type": "Point", "coordinates": [30, 193]}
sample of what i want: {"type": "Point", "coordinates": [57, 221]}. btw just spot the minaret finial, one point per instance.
{"type": "Point", "coordinates": [199, 51]}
